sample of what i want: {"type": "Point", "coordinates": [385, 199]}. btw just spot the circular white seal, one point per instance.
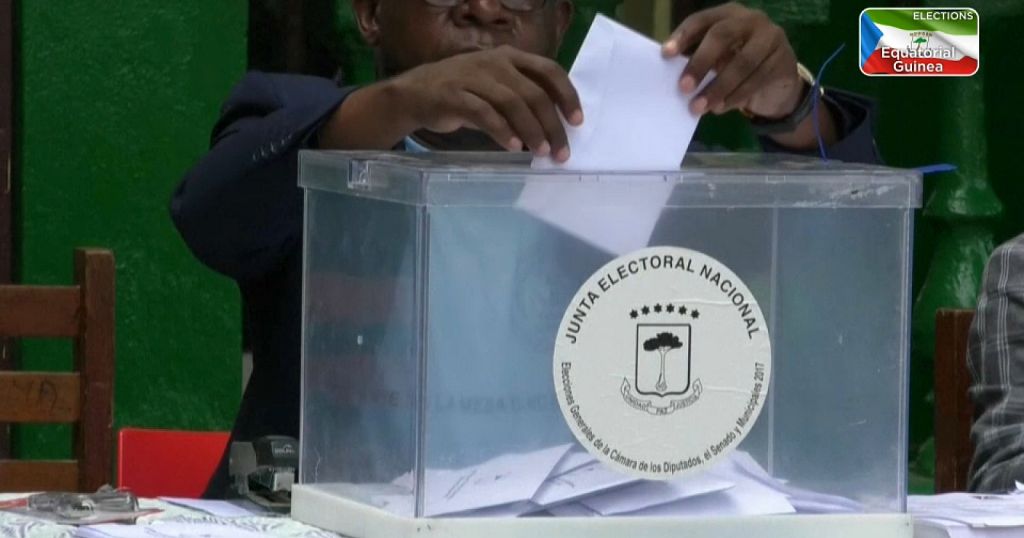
{"type": "Point", "coordinates": [662, 362]}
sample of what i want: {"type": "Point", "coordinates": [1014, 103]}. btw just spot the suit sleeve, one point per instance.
{"type": "Point", "coordinates": [995, 355]}
{"type": "Point", "coordinates": [239, 209]}
{"type": "Point", "coordinates": [855, 117]}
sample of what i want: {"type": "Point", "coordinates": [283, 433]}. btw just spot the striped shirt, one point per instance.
{"type": "Point", "coordinates": [995, 357]}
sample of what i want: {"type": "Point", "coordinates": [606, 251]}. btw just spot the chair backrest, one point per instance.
{"type": "Point", "coordinates": [954, 411]}
{"type": "Point", "coordinates": [83, 312]}
{"type": "Point", "coordinates": [167, 463]}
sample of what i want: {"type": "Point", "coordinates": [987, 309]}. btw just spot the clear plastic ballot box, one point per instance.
{"type": "Point", "coordinates": [492, 349]}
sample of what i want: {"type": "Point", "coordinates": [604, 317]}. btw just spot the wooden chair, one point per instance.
{"type": "Point", "coordinates": [84, 312]}
{"type": "Point", "coordinates": [954, 411]}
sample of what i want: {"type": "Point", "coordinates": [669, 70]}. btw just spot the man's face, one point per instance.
{"type": "Point", "coordinates": [408, 33]}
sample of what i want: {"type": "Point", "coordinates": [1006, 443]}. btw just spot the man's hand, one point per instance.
{"type": "Point", "coordinates": [512, 96]}
{"type": "Point", "coordinates": [755, 63]}
{"type": "Point", "coordinates": [757, 71]}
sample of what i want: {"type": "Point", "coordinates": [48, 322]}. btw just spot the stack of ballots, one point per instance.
{"type": "Point", "coordinates": [964, 515]}
{"type": "Point", "coordinates": [568, 482]}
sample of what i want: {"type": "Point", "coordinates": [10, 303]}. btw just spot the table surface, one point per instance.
{"type": "Point", "coordinates": [18, 526]}
{"type": "Point", "coordinates": [13, 525]}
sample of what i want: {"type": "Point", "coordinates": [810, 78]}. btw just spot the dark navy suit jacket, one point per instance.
{"type": "Point", "coordinates": [239, 209]}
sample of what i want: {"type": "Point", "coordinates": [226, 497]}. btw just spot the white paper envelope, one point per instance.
{"type": "Point", "coordinates": [635, 119]}
{"type": "Point", "coordinates": [635, 116]}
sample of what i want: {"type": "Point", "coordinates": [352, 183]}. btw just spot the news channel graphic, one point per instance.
{"type": "Point", "coordinates": [915, 42]}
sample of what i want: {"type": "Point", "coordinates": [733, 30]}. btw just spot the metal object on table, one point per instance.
{"type": "Point", "coordinates": [263, 471]}
{"type": "Point", "coordinates": [82, 505]}
{"type": "Point", "coordinates": [105, 506]}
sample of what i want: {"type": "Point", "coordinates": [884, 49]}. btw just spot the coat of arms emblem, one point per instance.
{"type": "Point", "coordinates": [662, 359]}
{"type": "Point", "coordinates": [662, 362]}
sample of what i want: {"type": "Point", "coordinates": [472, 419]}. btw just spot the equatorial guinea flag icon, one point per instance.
{"type": "Point", "coordinates": [919, 42]}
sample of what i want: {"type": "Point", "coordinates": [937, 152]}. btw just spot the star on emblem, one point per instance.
{"type": "Point", "coordinates": [670, 308]}
{"type": "Point", "coordinates": [682, 310]}
{"type": "Point", "coordinates": [633, 314]}
{"type": "Point", "coordinates": [657, 308]}
{"type": "Point", "coordinates": [645, 310]}
{"type": "Point", "coordinates": [695, 314]}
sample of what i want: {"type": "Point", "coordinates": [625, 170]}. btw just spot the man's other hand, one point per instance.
{"type": "Point", "coordinates": [756, 66]}
{"type": "Point", "coordinates": [511, 95]}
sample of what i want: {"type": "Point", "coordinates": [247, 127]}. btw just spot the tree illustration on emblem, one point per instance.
{"type": "Point", "coordinates": [662, 343]}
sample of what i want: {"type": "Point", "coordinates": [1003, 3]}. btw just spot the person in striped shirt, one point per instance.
{"type": "Point", "coordinates": [995, 355]}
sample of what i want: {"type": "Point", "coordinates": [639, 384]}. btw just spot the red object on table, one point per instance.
{"type": "Point", "coordinates": [168, 463]}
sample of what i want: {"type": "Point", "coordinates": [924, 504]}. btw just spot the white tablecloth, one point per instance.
{"type": "Point", "coordinates": [16, 526]}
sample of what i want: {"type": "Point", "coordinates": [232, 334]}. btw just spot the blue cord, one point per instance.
{"type": "Point", "coordinates": [924, 170]}
{"type": "Point", "coordinates": [817, 97]}
{"type": "Point", "coordinates": [936, 168]}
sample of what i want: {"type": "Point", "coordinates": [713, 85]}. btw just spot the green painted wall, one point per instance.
{"type": "Point", "coordinates": [116, 101]}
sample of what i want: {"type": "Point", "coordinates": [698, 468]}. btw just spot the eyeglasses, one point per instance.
{"type": "Point", "coordinates": [511, 5]}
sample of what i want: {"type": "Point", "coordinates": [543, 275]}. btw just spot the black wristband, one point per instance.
{"type": "Point", "coordinates": [790, 122]}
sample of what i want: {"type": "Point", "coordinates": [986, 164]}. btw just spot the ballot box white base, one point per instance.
{"type": "Point", "coordinates": [316, 507]}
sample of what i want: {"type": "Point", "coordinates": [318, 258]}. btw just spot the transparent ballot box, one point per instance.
{"type": "Point", "coordinates": [493, 348]}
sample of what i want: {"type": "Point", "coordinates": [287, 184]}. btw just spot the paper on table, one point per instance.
{"type": "Point", "coordinates": [969, 509]}
{"type": "Point", "coordinates": [166, 530]}
{"type": "Point", "coordinates": [933, 528]}
{"type": "Point", "coordinates": [111, 530]}
{"type": "Point", "coordinates": [648, 494]}
{"type": "Point", "coordinates": [212, 507]}
{"type": "Point", "coordinates": [635, 115]}
{"type": "Point", "coordinates": [636, 119]}
{"type": "Point", "coordinates": [953, 529]}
